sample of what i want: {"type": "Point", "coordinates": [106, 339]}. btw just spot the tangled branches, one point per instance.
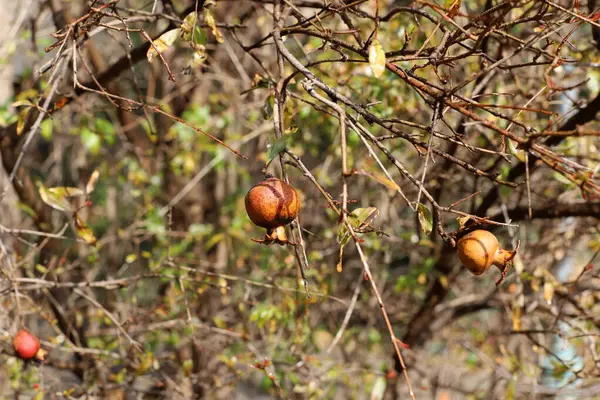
{"type": "Point", "coordinates": [440, 117]}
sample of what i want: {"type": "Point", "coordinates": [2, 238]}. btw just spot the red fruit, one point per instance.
{"type": "Point", "coordinates": [26, 344]}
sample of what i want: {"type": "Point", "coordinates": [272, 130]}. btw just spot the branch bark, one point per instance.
{"type": "Point", "coordinates": [591, 209]}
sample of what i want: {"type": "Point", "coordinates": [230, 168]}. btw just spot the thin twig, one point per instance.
{"type": "Point", "coordinates": [348, 314]}
{"type": "Point", "coordinates": [115, 321]}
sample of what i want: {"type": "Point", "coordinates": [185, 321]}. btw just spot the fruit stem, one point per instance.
{"type": "Point", "coordinates": [276, 235]}
{"type": "Point", "coordinates": [503, 260]}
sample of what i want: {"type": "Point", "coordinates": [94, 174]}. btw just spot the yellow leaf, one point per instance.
{"type": "Point", "coordinates": [54, 198]}
{"type": "Point", "coordinates": [425, 218]}
{"type": "Point", "coordinates": [322, 339]}
{"type": "Point", "coordinates": [21, 120]}
{"type": "Point", "coordinates": [89, 188]}
{"type": "Point", "coordinates": [84, 231]}
{"type": "Point", "coordinates": [535, 284]}
{"type": "Point", "coordinates": [462, 221]}
{"type": "Point", "coordinates": [520, 154]}
{"type": "Point", "coordinates": [144, 363]}
{"type": "Point", "coordinates": [381, 179]}
{"type": "Point", "coordinates": [223, 285]}
{"type": "Point", "coordinates": [453, 6]}
{"type": "Point", "coordinates": [444, 281]}
{"type": "Point", "coordinates": [199, 54]}
{"type": "Point", "coordinates": [210, 21]}
{"type": "Point", "coordinates": [516, 317]}
{"type": "Point", "coordinates": [162, 43]}
{"type": "Point", "coordinates": [188, 25]}
{"type": "Point", "coordinates": [376, 58]}
{"type": "Point", "coordinates": [66, 191]}
{"type": "Point", "coordinates": [22, 103]}
{"type": "Point", "coordinates": [548, 292]}
{"type": "Point", "coordinates": [26, 94]}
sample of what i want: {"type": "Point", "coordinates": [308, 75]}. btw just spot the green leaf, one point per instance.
{"type": "Point", "coordinates": [374, 336]}
{"type": "Point", "coordinates": [55, 199]}
{"type": "Point", "coordinates": [84, 231]}
{"type": "Point", "coordinates": [376, 58]}
{"type": "Point", "coordinates": [46, 129]}
{"type": "Point", "coordinates": [277, 147]}
{"type": "Point", "coordinates": [357, 218]}
{"type": "Point", "coordinates": [259, 82]}
{"type": "Point", "coordinates": [188, 367]}
{"type": "Point", "coordinates": [200, 37]}
{"type": "Point", "coordinates": [91, 141]}
{"type": "Point", "coordinates": [512, 148]}
{"type": "Point", "coordinates": [378, 389]}
{"type": "Point", "coordinates": [425, 218]}
{"type": "Point", "coordinates": [26, 209]}
{"type": "Point", "coordinates": [511, 389]}
{"type": "Point", "coordinates": [42, 269]}
{"type": "Point", "coordinates": [199, 230]}
{"type": "Point", "coordinates": [161, 44]}
{"type": "Point", "coordinates": [267, 109]}
{"type": "Point", "coordinates": [562, 179]}
{"type": "Point", "coordinates": [188, 26]}
{"type": "Point", "coordinates": [106, 129]}
{"type": "Point", "coordinates": [104, 126]}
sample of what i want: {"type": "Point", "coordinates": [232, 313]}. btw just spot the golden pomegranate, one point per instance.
{"type": "Point", "coordinates": [480, 249]}
{"type": "Point", "coordinates": [272, 203]}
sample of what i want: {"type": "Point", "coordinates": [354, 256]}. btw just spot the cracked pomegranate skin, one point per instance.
{"type": "Point", "coordinates": [272, 203]}
{"type": "Point", "coordinates": [477, 251]}
{"type": "Point", "coordinates": [26, 344]}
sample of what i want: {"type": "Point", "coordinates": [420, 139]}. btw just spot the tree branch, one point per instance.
{"type": "Point", "coordinates": [582, 209]}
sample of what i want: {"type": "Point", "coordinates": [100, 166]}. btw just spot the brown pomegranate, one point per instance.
{"type": "Point", "coordinates": [272, 204]}
{"type": "Point", "coordinates": [479, 249]}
